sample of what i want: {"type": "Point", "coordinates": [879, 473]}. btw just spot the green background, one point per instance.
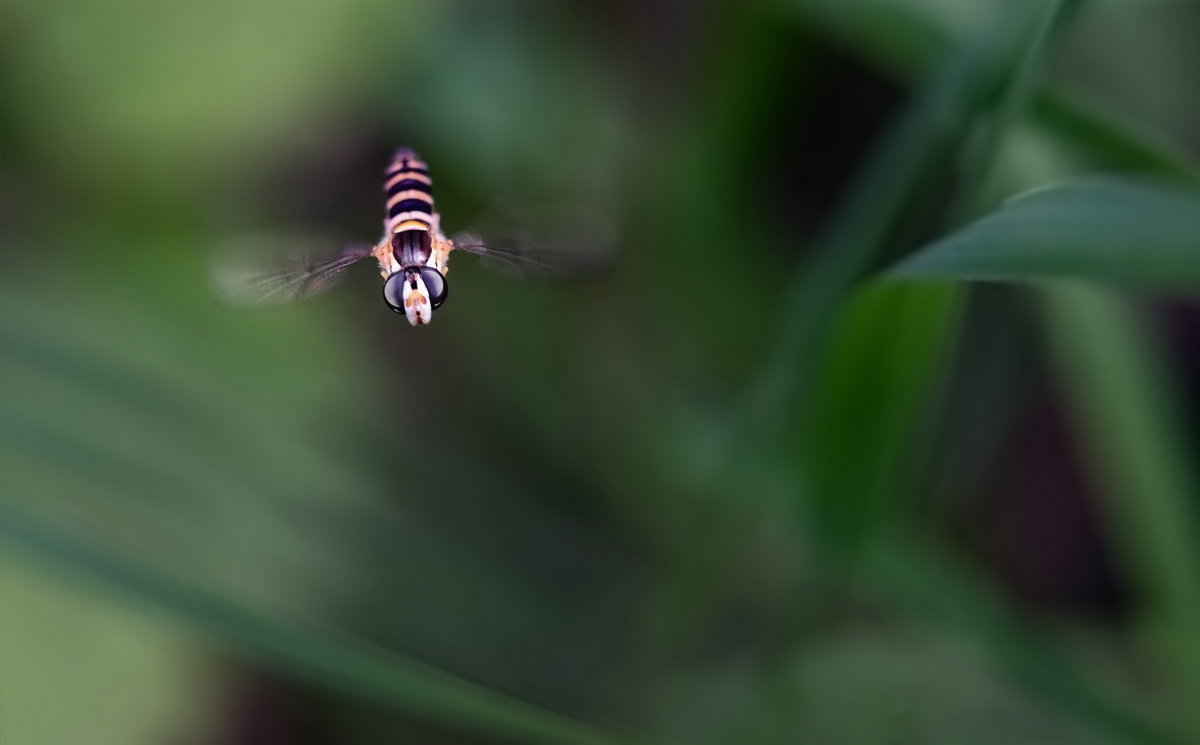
{"type": "Point", "coordinates": [784, 472]}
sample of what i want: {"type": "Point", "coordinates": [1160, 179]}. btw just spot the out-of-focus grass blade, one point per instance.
{"type": "Point", "coordinates": [324, 658]}
{"type": "Point", "coordinates": [918, 146]}
{"type": "Point", "coordinates": [217, 449]}
{"type": "Point", "coordinates": [1110, 139]}
{"type": "Point", "coordinates": [1145, 466]}
{"type": "Point", "coordinates": [1022, 84]}
{"type": "Point", "coordinates": [876, 376]}
{"type": "Point", "coordinates": [1118, 231]}
{"type": "Point", "coordinates": [906, 38]}
{"type": "Point", "coordinates": [875, 386]}
{"type": "Point", "coordinates": [995, 67]}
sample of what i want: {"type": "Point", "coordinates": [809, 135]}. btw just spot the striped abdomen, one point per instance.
{"type": "Point", "coordinates": [410, 214]}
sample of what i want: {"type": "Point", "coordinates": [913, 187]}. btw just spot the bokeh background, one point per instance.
{"type": "Point", "coordinates": [749, 484]}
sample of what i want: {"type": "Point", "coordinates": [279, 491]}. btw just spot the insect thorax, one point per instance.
{"type": "Point", "coordinates": [412, 247]}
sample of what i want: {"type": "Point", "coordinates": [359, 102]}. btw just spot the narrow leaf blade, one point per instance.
{"type": "Point", "coordinates": [1109, 230]}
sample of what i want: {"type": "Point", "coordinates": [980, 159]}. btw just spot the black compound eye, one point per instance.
{"type": "Point", "coordinates": [393, 292]}
{"type": "Point", "coordinates": [436, 284]}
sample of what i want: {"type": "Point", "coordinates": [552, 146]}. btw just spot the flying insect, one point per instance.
{"type": "Point", "coordinates": [413, 254]}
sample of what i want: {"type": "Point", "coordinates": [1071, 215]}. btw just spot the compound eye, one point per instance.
{"type": "Point", "coordinates": [436, 284]}
{"type": "Point", "coordinates": [393, 292]}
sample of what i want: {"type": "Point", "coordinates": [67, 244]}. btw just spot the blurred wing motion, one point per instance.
{"type": "Point", "coordinates": [273, 270]}
{"type": "Point", "coordinates": [551, 243]}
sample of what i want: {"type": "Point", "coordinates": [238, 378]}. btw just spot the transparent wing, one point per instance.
{"type": "Point", "coordinates": [558, 242]}
{"type": "Point", "coordinates": [262, 269]}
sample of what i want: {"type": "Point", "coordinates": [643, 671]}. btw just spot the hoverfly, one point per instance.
{"type": "Point", "coordinates": [413, 254]}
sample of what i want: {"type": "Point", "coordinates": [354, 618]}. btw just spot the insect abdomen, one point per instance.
{"type": "Point", "coordinates": [410, 214]}
{"type": "Point", "coordinates": [409, 192]}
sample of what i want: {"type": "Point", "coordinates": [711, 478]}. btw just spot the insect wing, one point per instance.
{"type": "Point", "coordinates": [271, 270]}
{"type": "Point", "coordinates": [557, 242]}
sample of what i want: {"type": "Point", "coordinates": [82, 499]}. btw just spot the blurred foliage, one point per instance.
{"type": "Point", "coordinates": [738, 488]}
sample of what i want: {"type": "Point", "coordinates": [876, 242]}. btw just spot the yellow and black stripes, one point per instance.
{"type": "Point", "coordinates": [409, 193]}
{"type": "Point", "coordinates": [410, 221]}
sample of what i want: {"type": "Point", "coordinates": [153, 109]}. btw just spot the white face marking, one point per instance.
{"type": "Point", "coordinates": [416, 301]}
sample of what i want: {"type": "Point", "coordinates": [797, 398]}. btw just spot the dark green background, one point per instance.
{"type": "Point", "coordinates": [780, 474]}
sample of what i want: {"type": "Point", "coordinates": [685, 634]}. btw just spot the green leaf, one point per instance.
{"type": "Point", "coordinates": [1119, 231]}
{"type": "Point", "coordinates": [326, 658]}
{"type": "Point", "coordinates": [1047, 26]}
{"type": "Point", "coordinates": [906, 39]}
{"type": "Point", "coordinates": [1125, 406]}
{"type": "Point", "coordinates": [1110, 140]}
{"type": "Point", "coordinates": [912, 155]}
{"type": "Point", "coordinates": [869, 399]}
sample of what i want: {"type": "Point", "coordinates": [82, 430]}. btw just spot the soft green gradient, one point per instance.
{"type": "Point", "coordinates": [712, 494]}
